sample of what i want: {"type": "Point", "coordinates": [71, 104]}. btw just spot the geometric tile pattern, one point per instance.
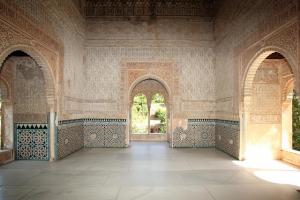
{"type": "Point", "coordinates": [94, 135]}
{"type": "Point", "coordinates": [183, 138]}
{"type": "Point", "coordinates": [199, 133]}
{"type": "Point", "coordinates": [73, 135]}
{"type": "Point", "coordinates": [228, 137]}
{"type": "Point", "coordinates": [204, 134]}
{"type": "Point", "coordinates": [76, 134]}
{"type": "Point", "coordinates": [69, 137]}
{"type": "Point", "coordinates": [32, 141]}
{"type": "Point", "coordinates": [104, 133]}
{"type": "Point", "coordinates": [222, 134]}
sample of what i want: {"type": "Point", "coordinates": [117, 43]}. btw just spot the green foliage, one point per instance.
{"type": "Point", "coordinates": [140, 105]}
{"type": "Point", "coordinates": [158, 98]}
{"type": "Point", "coordinates": [139, 114]}
{"type": "Point", "coordinates": [161, 114]}
{"type": "Point", "coordinates": [296, 123]}
{"type": "Point", "coordinates": [158, 103]}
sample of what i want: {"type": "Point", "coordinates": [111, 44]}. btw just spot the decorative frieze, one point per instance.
{"type": "Point", "coordinates": [149, 8]}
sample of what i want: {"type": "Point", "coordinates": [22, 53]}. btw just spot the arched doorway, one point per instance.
{"type": "Point", "coordinates": [149, 111]}
{"type": "Point", "coordinates": [266, 113]}
{"type": "Point", "coordinates": [25, 115]}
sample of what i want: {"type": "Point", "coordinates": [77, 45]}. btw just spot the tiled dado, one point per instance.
{"type": "Point", "coordinates": [104, 133]}
{"type": "Point", "coordinates": [199, 133]}
{"type": "Point", "coordinates": [228, 137]}
{"type": "Point", "coordinates": [69, 137]}
{"type": "Point", "coordinates": [73, 135]}
{"type": "Point", "coordinates": [222, 134]}
{"type": "Point", "coordinates": [32, 141]}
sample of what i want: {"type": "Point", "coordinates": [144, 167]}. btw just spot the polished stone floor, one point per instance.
{"type": "Point", "coordinates": [151, 171]}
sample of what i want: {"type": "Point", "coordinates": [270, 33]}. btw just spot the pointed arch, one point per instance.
{"type": "Point", "coordinates": [250, 119]}
{"type": "Point", "coordinates": [50, 87]}
{"type": "Point", "coordinates": [254, 64]}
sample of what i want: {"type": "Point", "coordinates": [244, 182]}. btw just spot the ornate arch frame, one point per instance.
{"type": "Point", "coordinates": [41, 61]}
{"type": "Point", "coordinates": [50, 83]}
{"type": "Point", "coordinates": [168, 100]}
{"type": "Point", "coordinates": [246, 86]}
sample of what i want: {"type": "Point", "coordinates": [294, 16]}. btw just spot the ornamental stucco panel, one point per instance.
{"type": "Point", "coordinates": [266, 91]}
{"type": "Point", "coordinates": [256, 24]}
{"type": "Point", "coordinates": [112, 43]}
{"type": "Point", "coordinates": [27, 84]}
{"type": "Point", "coordinates": [74, 76]}
{"type": "Point", "coordinates": [141, 29]}
{"type": "Point", "coordinates": [36, 38]}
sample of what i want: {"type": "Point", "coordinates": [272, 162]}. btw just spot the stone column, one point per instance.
{"type": "Point", "coordinates": [149, 106]}
{"type": "Point", "coordinates": [7, 124]}
{"type": "Point", "coordinates": [129, 124]}
{"type": "Point", "coordinates": [2, 127]}
{"type": "Point", "coordinates": [245, 121]}
{"type": "Point", "coordinates": [52, 132]}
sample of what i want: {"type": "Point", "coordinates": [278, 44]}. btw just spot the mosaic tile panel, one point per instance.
{"type": "Point", "coordinates": [183, 138]}
{"type": "Point", "coordinates": [73, 135]}
{"type": "Point", "coordinates": [76, 134]}
{"type": "Point", "coordinates": [104, 132]}
{"type": "Point", "coordinates": [94, 135]}
{"type": "Point", "coordinates": [200, 133]}
{"type": "Point", "coordinates": [204, 134]}
{"type": "Point", "coordinates": [228, 137]}
{"type": "Point", "coordinates": [32, 141]}
{"type": "Point", "coordinates": [69, 137]}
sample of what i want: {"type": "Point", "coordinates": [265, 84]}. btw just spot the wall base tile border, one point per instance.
{"type": "Point", "coordinates": [228, 137]}
{"type": "Point", "coordinates": [221, 134]}
{"type": "Point", "coordinates": [75, 134]}
{"type": "Point", "coordinates": [100, 133]}
{"type": "Point", "coordinates": [69, 138]}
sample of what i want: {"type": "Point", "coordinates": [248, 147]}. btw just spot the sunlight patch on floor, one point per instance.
{"type": "Point", "coordinates": [273, 171]}
{"type": "Point", "coordinates": [280, 177]}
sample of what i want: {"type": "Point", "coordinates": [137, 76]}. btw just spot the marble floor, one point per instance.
{"type": "Point", "coordinates": [149, 171]}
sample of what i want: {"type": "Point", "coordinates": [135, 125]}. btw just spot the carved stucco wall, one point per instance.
{"type": "Point", "coordinates": [29, 97]}
{"type": "Point", "coordinates": [119, 52]}
{"type": "Point", "coordinates": [4, 90]}
{"type": "Point", "coordinates": [69, 25]}
{"type": "Point", "coordinates": [265, 121]}
{"type": "Point", "coordinates": [243, 30]}
{"type": "Point", "coordinates": [27, 86]}
{"type": "Point", "coordinates": [266, 91]}
{"type": "Point", "coordinates": [65, 21]}
{"type": "Point", "coordinates": [268, 126]}
{"type": "Point", "coordinates": [91, 65]}
{"type": "Point", "coordinates": [55, 29]}
{"type": "Point", "coordinates": [149, 87]}
{"type": "Point", "coordinates": [19, 31]}
{"type": "Point", "coordinates": [187, 42]}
